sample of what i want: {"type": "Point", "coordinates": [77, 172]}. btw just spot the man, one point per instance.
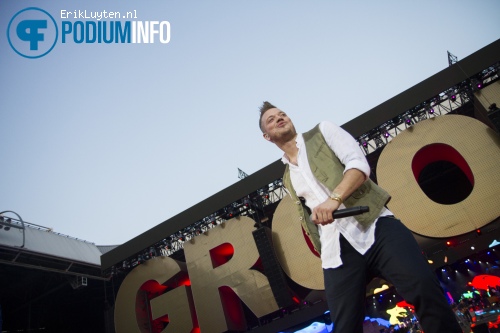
{"type": "Point", "coordinates": [464, 308]}
{"type": "Point", "coordinates": [326, 168]}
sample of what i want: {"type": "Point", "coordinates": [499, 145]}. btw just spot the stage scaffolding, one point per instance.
{"type": "Point", "coordinates": [259, 205]}
{"type": "Point", "coordinates": [446, 102]}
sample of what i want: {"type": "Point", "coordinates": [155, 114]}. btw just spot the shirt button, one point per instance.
{"type": "Point", "coordinates": [301, 218]}
{"type": "Point", "coordinates": [297, 202]}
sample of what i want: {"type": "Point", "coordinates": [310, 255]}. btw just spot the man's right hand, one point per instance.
{"type": "Point", "coordinates": [323, 213]}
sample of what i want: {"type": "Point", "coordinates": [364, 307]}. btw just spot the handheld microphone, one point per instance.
{"type": "Point", "coordinates": [350, 211]}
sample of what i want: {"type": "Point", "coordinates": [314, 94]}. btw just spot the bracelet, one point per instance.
{"type": "Point", "coordinates": [336, 197]}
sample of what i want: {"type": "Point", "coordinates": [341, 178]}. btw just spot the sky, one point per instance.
{"type": "Point", "coordinates": [102, 142]}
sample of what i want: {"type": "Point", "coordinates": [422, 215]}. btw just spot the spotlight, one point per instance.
{"type": "Point", "coordinates": [476, 84]}
{"type": "Point", "coordinates": [365, 144]}
{"type": "Point", "coordinates": [453, 98]}
{"type": "Point", "coordinates": [386, 134]}
{"type": "Point", "coordinates": [431, 111]}
{"type": "Point", "coordinates": [7, 228]}
{"type": "Point", "coordinates": [478, 232]}
{"type": "Point", "coordinates": [379, 142]}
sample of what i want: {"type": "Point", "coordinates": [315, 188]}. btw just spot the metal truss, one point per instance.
{"type": "Point", "coordinates": [242, 174]}
{"type": "Point", "coordinates": [252, 205]}
{"type": "Point", "coordinates": [448, 101]}
{"type": "Point", "coordinates": [452, 59]}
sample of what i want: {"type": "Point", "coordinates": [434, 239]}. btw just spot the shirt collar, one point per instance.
{"type": "Point", "coordinates": [299, 140]}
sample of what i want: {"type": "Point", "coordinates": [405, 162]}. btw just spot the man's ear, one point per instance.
{"type": "Point", "coordinates": [266, 136]}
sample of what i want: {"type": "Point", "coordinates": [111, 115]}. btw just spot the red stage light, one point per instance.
{"type": "Point", "coordinates": [221, 254]}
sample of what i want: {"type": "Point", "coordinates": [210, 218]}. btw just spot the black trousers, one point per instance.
{"type": "Point", "coordinates": [396, 257]}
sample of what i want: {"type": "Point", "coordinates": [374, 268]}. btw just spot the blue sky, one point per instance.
{"type": "Point", "coordinates": [104, 141]}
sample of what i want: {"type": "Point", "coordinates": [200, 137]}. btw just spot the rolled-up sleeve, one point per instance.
{"type": "Point", "coordinates": [345, 147]}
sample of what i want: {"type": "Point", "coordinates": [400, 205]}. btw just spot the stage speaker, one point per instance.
{"type": "Point", "coordinates": [486, 102]}
{"type": "Point", "coordinates": [494, 115]}
{"type": "Point", "coordinates": [272, 268]}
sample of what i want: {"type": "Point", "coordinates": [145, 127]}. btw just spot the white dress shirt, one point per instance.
{"type": "Point", "coordinates": [315, 193]}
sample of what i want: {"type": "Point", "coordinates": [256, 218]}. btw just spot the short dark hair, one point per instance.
{"type": "Point", "coordinates": [265, 106]}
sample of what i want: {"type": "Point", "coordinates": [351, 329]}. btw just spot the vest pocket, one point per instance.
{"type": "Point", "coordinates": [364, 189]}
{"type": "Point", "coordinates": [320, 174]}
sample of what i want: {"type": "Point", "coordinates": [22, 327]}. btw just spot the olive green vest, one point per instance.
{"type": "Point", "coordinates": [329, 171]}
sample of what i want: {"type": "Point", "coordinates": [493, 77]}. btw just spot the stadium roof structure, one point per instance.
{"type": "Point", "coordinates": [31, 246]}
{"type": "Point", "coordinates": [50, 281]}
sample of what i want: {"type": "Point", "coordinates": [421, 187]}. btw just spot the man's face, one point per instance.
{"type": "Point", "coordinates": [277, 126]}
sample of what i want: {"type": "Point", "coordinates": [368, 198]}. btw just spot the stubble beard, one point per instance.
{"type": "Point", "coordinates": [285, 136]}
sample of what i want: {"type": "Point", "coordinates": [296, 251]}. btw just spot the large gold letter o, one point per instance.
{"type": "Point", "coordinates": [476, 143]}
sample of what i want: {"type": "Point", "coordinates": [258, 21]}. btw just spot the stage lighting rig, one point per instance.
{"type": "Point", "coordinates": [7, 223]}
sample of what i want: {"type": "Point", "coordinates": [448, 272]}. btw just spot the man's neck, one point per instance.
{"type": "Point", "coordinates": [290, 149]}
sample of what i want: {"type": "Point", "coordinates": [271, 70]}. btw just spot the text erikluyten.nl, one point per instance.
{"type": "Point", "coordinates": [96, 15]}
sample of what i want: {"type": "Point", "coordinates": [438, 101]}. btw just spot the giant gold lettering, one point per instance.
{"type": "Point", "coordinates": [479, 147]}
{"type": "Point", "coordinates": [176, 303]}
{"type": "Point", "coordinates": [210, 280]}
{"type": "Point", "coordinates": [296, 258]}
